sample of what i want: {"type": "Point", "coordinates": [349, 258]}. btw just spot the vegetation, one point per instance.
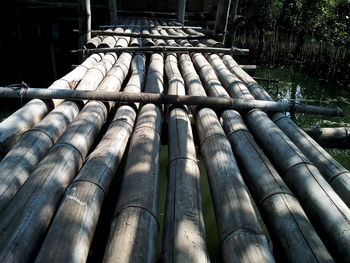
{"type": "Point", "coordinates": [313, 33]}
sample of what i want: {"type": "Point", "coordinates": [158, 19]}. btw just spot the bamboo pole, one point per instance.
{"type": "Point", "coordinates": [43, 190]}
{"type": "Point", "coordinates": [84, 10]}
{"type": "Point", "coordinates": [287, 222]}
{"type": "Point", "coordinates": [31, 148]}
{"type": "Point", "coordinates": [320, 202]}
{"type": "Point", "coordinates": [109, 41]}
{"type": "Point", "coordinates": [153, 27]}
{"type": "Point", "coordinates": [94, 42]}
{"type": "Point", "coordinates": [91, 184]}
{"type": "Point", "coordinates": [330, 137]}
{"type": "Point", "coordinates": [169, 49]}
{"type": "Point", "coordinates": [181, 9]}
{"type": "Point", "coordinates": [335, 174]}
{"type": "Point", "coordinates": [221, 20]}
{"type": "Point", "coordinates": [184, 233]}
{"type": "Point", "coordinates": [218, 103]}
{"type": "Point", "coordinates": [145, 35]}
{"type": "Point", "coordinates": [239, 229]}
{"type": "Point", "coordinates": [134, 229]}
{"type": "Point", "coordinates": [113, 11]}
{"type": "Point", "coordinates": [32, 112]}
{"type": "Point", "coordinates": [29, 213]}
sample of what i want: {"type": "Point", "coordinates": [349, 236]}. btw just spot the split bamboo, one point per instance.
{"type": "Point", "coordinates": [135, 226]}
{"type": "Point", "coordinates": [184, 233]}
{"type": "Point", "coordinates": [91, 184]}
{"type": "Point", "coordinates": [287, 222]}
{"type": "Point", "coordinates": [240, 235]}
{"type": "Point", "coordinates": [32, 112]}
{"type": "Point", "coordinates": [320, 202]}
{"type": "Point", "coordinates": [31, 148]}
{"type": "Point", "coordinates": [330, 137]}
{"type": "Point", "coordinates": [335, 174]}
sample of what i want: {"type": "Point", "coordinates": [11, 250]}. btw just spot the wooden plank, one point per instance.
{"type": "Point", "coordinates": [31, 113]}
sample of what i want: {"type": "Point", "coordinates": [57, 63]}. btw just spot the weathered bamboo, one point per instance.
{"type": "Point", "coordinates": [112, 11]}
{"type": "Point", "coordinates": [91, 185]}
{"type": "Point", "coordinates": [109, 41]}
{"type": "Point", "coordinates": [94, 42]}
{"type": "Point", "coordinates": [31, 113]}
{"type": "Point", "coordinates": [29, 213]}
{"type": "Point", "coordinates": [144, 35]}
{"type": "Point", "coordinates": [289, 227]}
{"type": "Point", "coordinates": [184, 233]}
{"type": "Point", "coordinates": [222, 14]}
{"type": "Point", "coordinates": [320, 202]}
{"type": "Point", "coordinates": [289, 224]}
{"type": "Point", "coordinates": [84, 10]}
{"type": "Point", "coordinates": [169, 49]}
{"type": "Point", "coordinates": [134, 228]}
{"type": "Point", "coordinates": [335, 174]}
{"type": "Point", "coordinates": [31, 148]}
{"type": "Point", "coordinates": [218, 103]}
{"type": "Point", "coordinates": [240, 235]}
{"type": "Point", "coordinates": [153, 27]}
{"type": "Point", "coordinates": [330, 137]}
{"type": "Point", "coordinates": [181, 10]}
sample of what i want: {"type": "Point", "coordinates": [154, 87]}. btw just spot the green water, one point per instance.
{"type": "Point", "coordinates": [307, 90]}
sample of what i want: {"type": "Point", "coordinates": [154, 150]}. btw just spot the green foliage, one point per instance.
{"type": "Point", "coordinates": [321, 20]}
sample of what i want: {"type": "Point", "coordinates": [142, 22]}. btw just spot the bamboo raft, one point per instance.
{"type": "Point", "coordinates": [63, 150]}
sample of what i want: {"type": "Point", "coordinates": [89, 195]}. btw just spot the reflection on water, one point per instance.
{"type": "Point", "coordinates": [293, 86]}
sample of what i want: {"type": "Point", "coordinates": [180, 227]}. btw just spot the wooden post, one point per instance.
{"type": "Point", "coordinates": [222, 14]}
{"type": "Point", "coordinates": [335, 174]}
{"type": "Point", "coordinates": [181, 9]}
{"type": "Point", "coordinates": [330, 137]}
{"type": "Point", "coordinates": [84, 23]}
{"type": "Point", "coordinates": [231, 24]}
{"type": "Point", "coordinates": [113, 12]}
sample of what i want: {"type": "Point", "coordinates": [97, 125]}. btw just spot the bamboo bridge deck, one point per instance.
{"type": "Point", "coordinates": [61, 156]}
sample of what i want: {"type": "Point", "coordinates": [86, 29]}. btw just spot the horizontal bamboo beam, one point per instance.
{"type": "Point", "coordinates": [143, 35]}
{"type": "Point", "coordinates": [153, 27]}
{"type": "Point", "coordinates": [168, 49]}
{"type": "Point", "coordinates": [219, 103]}
{"type": "Point", "coordinates": [330, 137]}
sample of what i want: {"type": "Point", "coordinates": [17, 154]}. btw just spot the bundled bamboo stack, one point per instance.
{"type": "Point", "coordinates": [52, 194]}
